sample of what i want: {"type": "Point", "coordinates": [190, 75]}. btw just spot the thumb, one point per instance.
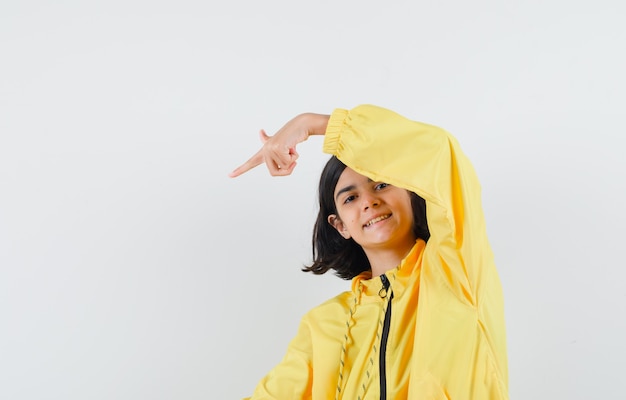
{"type": "Point", "coordinates": [263, 136]}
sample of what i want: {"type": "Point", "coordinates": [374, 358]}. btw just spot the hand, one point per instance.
{"type": "Point", "coordinates": [278, 152]}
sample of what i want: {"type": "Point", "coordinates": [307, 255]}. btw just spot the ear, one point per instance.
{"type": "Point", "coordinates": [334, 220]}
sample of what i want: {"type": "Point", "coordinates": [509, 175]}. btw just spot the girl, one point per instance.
{"type": "Point", "coordinates": [400, 214]}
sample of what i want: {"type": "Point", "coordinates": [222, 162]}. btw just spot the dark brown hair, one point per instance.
{"type": "Point", "coordinates": [330, 249]}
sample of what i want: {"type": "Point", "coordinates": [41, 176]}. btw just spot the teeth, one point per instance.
{"type": "Point", "coordinates": [377, 219]}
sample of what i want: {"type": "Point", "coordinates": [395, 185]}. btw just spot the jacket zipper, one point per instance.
{"type": "Point", "coordinates": [383, 340]}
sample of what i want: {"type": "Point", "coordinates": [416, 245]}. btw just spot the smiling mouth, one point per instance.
{"type": "Point", "coordinates": [375, 220]}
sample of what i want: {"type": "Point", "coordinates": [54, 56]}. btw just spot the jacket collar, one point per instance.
{"type": "Point", "coordinates": [399, 277]}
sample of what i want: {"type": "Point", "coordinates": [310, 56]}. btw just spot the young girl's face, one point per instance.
{"type": "Point", "coordinates": [375, 214]}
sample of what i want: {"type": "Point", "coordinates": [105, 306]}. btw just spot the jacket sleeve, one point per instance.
{"type": "Point", "coordinates": [427, 160]}
{"type": "Point", "coordinates": [292, 377]}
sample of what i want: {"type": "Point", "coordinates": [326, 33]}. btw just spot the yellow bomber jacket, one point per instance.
{"type": "Point", "coordinates": [445, 334]}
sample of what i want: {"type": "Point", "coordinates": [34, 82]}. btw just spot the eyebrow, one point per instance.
{"type": "Point", "coordinates": [343, 190]}
{"type": "Point", "coordinates": [347, 189]}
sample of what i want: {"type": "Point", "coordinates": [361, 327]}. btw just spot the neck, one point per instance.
{"type": "Point", "coordinates": [383, 260]}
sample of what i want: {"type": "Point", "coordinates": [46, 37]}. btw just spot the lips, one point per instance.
{"type": "Point", "coordinates": [375, 220]}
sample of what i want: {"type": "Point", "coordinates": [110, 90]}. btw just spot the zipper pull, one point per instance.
{"type": "Point", "coordinates": [383, 291]}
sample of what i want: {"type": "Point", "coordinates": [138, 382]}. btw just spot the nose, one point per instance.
{"type": "Point", "coordinates": [369, 200]}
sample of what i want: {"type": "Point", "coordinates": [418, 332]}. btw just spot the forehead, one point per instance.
{"type": "Point", "coordinates": [349, 177]}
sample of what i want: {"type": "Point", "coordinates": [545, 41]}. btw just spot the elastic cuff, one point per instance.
{"type": "Point", "coordinates": [333, 131]}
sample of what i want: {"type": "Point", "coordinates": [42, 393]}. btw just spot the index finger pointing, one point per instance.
{"type": "Point", "coordinates": [254, 161]}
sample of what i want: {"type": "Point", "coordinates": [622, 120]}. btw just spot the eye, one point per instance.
{"type": "Point", "coordinates": [380, 186]}
{"type": "Point", "coordinates": [348, 199]}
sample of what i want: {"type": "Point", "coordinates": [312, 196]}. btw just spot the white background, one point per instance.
{"type": "Point", "coordinates": [132, 267]}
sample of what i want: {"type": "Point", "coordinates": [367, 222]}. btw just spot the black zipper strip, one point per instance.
{"type": "Point", "coordinates": [383, 340]}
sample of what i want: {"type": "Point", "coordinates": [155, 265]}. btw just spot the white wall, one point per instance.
{"type": "Point", "coordinates": [131, 267]}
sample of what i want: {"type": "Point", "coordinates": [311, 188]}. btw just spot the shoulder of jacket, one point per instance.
{"type": "Point", "coordinates": [332, 307]}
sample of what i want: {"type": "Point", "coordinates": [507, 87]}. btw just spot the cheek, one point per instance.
{"type": "Point", "coordinates": [407, 209]}
{"type": "Point", "coordinates": [401, 199]}
{"type": "Point", "coordinates": [347, 218]}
